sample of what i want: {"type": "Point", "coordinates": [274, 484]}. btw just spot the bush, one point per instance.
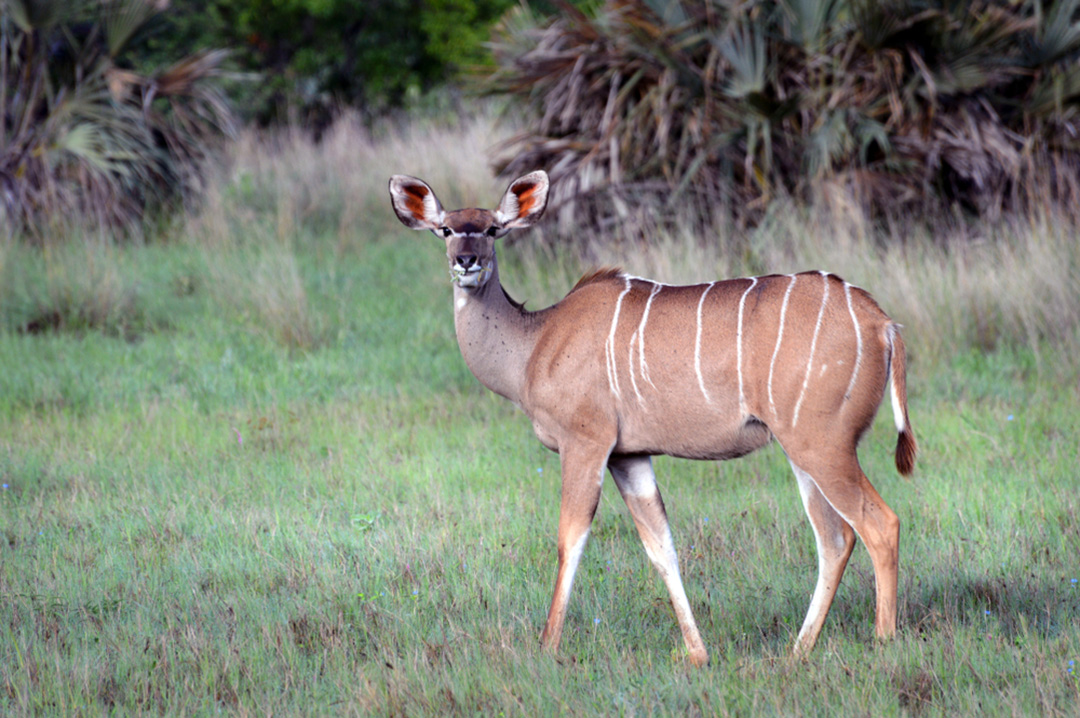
{"type": "Point", "coordinates": [897, 106]}
{"type": "Point", "coordinates": [85, 136]}
{"type": "Point", "coordinates": [312, 57]}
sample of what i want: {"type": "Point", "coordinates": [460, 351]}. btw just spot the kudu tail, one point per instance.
{"type": "Point", "coordinates": [906, 449]}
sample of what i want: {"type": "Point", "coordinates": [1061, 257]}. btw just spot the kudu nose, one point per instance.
{"type": "Point", "coordinates": [465, 261]}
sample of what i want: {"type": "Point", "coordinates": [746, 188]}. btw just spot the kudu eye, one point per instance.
{"type": "Point", "coordinates": [446, 231]}
{"type": "Point", "coordinates": [492, 231]}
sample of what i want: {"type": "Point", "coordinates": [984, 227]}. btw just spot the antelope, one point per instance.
{"type": "Point", "coordinates": [624, 368]}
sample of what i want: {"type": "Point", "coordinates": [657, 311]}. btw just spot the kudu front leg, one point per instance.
{"type": "Point", "coordinates": [582, 478]}
{"type": "Point", "coordinates": [637, 483]}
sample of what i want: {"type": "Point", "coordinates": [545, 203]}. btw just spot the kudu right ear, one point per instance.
{"type": "Point", "coordinates": [524, 201]}
{"type": "Point", "coordinates": [415, 203]}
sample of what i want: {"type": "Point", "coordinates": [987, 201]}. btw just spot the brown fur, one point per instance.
{"type": "Point", "coordinates": [597, 274]}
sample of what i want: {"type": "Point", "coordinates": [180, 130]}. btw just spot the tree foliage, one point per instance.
{"type": "Point", "coordinates": [310, 57]}
{"type": "Point", "coordinates": [82, 134]}
{"type": "Point", "coordinates": [899, 105]}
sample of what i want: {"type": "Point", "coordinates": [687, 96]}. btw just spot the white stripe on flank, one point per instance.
{"type": "Point", "coordinates": [738, 342]}
{"type": "Point", "coordinates": [641, 334]}
{"type": "Point", "coordinates": [779, 335]}
{"type": "Point", "coordinates": [630, 368]}
{"type": "Point", "coordinates": [609, 346]}
{"type": "Point", "coordinates": [858, 341]}
{"type": "Point", "coordinates": [697, 343]}
{"type": "Point", "coordinates": [813, 346]}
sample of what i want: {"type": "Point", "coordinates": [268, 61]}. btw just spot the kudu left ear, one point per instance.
{"type": "Point", "coordinates": [524, 201]}
{"type": "Point", "coordinates": [415, 203]}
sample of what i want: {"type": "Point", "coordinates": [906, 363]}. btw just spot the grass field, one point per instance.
{"type": "Point", "coordinates": [246, 471]}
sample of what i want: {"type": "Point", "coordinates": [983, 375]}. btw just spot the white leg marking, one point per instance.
{"type": "Point", "coordinates": [813, 346]}
{"type": "Point", "coordinates": [609, 346]}
{"type": "Point", "coordinates": [800, 473]}
{"type": "Point", "coordinates": [638, 480]}
{"type": "Point", "coordinates": [641, 334]}
{"type": "Point", "coordinates": [779, 336]}
{"type": "Point", "coordinates": [858, 341]}
{"type": "Point", "coordinates": [697, 343]}
{"type": "Point", "coordinates": [573, 559]}
{"type": "Point", "coordinates": [807, 486]}
{"type": "Point", "coordinates": [738, 344]}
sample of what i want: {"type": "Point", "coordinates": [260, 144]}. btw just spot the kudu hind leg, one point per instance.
{"type": "Point", "coordinates": [637, 483]}
{"type": "Point", "coordinates": [582, 478]}
{"type": "Point", "coordinates": [835, 540]}
{"type": "Point", "coordinates": [844, 485]}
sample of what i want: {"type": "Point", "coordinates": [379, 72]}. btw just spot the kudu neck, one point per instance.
{"type": "Point", "coordinates": [495, 336]}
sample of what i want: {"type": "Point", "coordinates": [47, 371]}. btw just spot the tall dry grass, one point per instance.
{"type": "Point", "coordinates": [285, 194]}
{"type": "Point", "coordinates": [336, 186]}
{"type": "Point", "coordinates": [958, 285]}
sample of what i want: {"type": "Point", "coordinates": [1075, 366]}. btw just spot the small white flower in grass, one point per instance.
{"type": "Point", "coordinates": [596, 621]}
{"type": "Point", "coordinates": [539, 469]}
{"type": "Point", "coordinates": [1009, 417]}
{"type": "Point", "coordinates": [5, 487]}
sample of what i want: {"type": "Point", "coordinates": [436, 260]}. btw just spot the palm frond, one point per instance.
{"type": "Point", "coordinates": [83, 137]}
{"type": "Point", "coordinates": [729, 105]}
{"type": "Point", "coordinates": [31, 15]}
{"type": "Point", "coordinates": [1057, 33]}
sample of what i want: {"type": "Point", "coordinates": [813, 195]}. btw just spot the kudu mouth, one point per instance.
{"type": "Point", "coordinates": [469, 277]}
{"type": "Point", "coordinates": [469, 270]}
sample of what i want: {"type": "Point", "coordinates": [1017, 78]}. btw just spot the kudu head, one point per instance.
{"type": "Point", "coordinates": [470, 234]}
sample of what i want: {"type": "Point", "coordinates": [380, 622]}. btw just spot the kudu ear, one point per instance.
{"type": "Point", "coordinates": [524, 201]}
{"type": "Point", "coordinates": [415, 203]}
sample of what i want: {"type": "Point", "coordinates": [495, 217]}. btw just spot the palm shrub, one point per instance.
{"type": "Point", "coordinates": [83, 136]}
{"type": "Point", "coordinates": [725, 106]}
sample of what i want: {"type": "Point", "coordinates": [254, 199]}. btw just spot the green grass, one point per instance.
{"type": "Point", "coordinates": [266, 483]}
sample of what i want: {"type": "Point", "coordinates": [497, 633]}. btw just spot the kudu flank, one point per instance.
{"type": "Point", "coordinates": [624, 368]}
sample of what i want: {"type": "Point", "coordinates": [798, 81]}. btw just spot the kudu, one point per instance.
{"type": "Point", "coordinates": [624, 368]}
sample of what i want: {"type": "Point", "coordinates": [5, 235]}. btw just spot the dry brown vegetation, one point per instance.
{"type": "Point", "coordinates": [728, 107]}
